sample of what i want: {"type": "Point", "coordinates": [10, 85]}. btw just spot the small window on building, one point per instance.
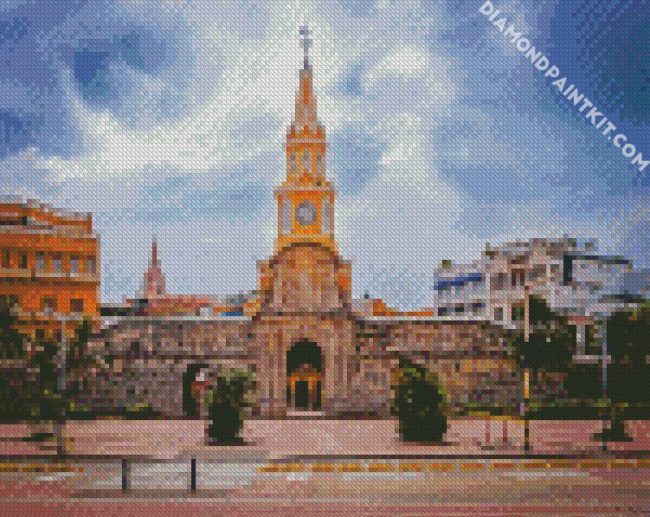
{"type": "Point", "coordinates": [22, 262]}
{"type": "Point", "coordinates": [57, 264]}
{"type": "Point", "coordinates": [6, 259]}
{"type": "Point", "coordinates": [518, 277]}
{"type": "Point", "coordinates": [39, 335]}
{"type": "Point", "coordinates": [135, 349]}
{"type": "Point", "coordinates": [76, 305]}
{"type": "Point", "coordinates": [9, 300]}
{"type": "Point", "coordinates": [292, 162]}
{"type": "Point", "coordinates": [90, 265]}
{"type": "Point", "coordinates": [305, 160]}
{"type": "Point", "coordinates": [517, 312]}
{"type": "Point", "coordinates": [498, 282]}
{"type": "Point", "coordinates": [40, 261]}
{"type": "Point", "coordinates": [498, 314]}
{"type": "Point", "coordinates": [49, 304]}
{"type": "Point", "coordinates": [319, 164]}
{"type": "Point", "coordinates": [74, 265]}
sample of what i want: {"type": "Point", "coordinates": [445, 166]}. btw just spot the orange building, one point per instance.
{"type": "Point", "coordinates": [49, 263]}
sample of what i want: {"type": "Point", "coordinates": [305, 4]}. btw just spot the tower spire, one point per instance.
{"type": "Point", "coordinates": [305, 43]}
{"type": "Point", "coordinates": [306, 198]}
{"type": "Point", "coordinates": [153, 284]}
{"type": "Point", "coordinates": [305, 118]}
{"type": "Point", "coordinates": [154, 252]}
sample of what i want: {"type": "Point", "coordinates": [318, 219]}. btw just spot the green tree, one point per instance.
{"type": "Point", "coordinates": [226, 401]}
{"type": "Point", "coordinates": [78, 358]}
{"type": "Point", "coordinates": [47, 402]}
{"type": "Point", "coordinates": [11, 341]}
{"type": "Point", "coordinates": [13, 401]}
{"type": "Point", "coordinates": [420, 404]}
{"type": "Point", "coordinates": [628, 373]}
{"type": "Point", "coordinates": [551, 340]}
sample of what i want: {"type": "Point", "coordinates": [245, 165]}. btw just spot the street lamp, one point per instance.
{"type": "Point", "coordinates": [61, 384]}
{"type": "Point", "coordinates": [604, 363]}
{"type": "Point", "coordinates": [524, 405]}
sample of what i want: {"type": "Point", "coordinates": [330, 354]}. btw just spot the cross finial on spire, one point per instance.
{"type": "Point", "coordinates": [305, 43]}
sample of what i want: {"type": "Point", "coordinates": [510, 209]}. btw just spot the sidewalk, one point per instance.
{"type": "Point", "coordinates": [284, 440]}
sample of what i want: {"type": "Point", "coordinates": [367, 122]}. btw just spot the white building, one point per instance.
{"type": "Point", "coordinates": [567, 273]}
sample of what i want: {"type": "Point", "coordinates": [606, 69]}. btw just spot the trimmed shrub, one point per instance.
{"type": "Point", "coordinates": [226, 401]}
{"type": "Point", "coordinates": [420, 404]}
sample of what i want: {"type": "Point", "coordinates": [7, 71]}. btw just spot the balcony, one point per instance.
{"type": "Point", "coordinates": [36, 274]}
{"type": "Point", "coordinates": [58, 231]}
{"type": "Point", "coordinates": [15, 273]}
{"type": "Point", "coordinates": [50, 315]}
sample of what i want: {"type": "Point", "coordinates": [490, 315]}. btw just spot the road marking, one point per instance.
{"type": "Point", "coordinates": [423, 467]}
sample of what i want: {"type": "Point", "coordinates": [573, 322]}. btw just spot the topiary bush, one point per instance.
{"type": "Point", "coordinates": [226, 401]}
{"type": "Point", "coordinates": [420, 405]}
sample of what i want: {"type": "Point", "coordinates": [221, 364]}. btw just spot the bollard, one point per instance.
{"type": "Point", "coordinates": [526, 435]}
{"type": "Point", "coordinates": [193, 474]}
{"type": "Point", "coordinates": [125, 475]}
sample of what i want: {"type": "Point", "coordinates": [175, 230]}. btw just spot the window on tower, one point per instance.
{"type": "Point", "coordinates": [292, 162]}
{"type": "Point", "coordinates": [305, 160]}
{"type": "Point", "coordinates": [326, 216]}
{"type": "Point", "coordinates": [285, 217]}
{"type": "Point", "coordinates": [319, 164]}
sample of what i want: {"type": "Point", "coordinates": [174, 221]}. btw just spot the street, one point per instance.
{"type": "Point", "coordinates": [450, 487]}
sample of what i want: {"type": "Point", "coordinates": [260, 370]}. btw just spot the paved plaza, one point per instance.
{"type": "Point", "coordinates": [286, 439]}
{"type": "Point", "coordinates": [327, 467]}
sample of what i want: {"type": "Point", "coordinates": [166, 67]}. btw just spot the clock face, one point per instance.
{"type": "Point", "coordinates": [306, 213]}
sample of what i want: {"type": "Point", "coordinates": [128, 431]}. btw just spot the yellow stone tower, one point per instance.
{"type": "Point", "coordinates": [306, 198]}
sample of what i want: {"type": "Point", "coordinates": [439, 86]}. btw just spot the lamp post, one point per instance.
{"type": "Point", "coordinates": [524, 406]}
{"type": "Point", "coordinates": [604, 362]}
{"type": "Point", "coordinates": [61, 384]}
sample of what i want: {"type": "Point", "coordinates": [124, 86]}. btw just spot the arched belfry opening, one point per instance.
{"type": "Point", "coordinates": [304, 377]}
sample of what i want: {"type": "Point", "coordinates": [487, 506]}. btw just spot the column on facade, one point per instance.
{"type": "Point", "coordinates": [330, 392]}
{"type": "Point", "coordinates": [343, 352]}
{"type": "Point", "coordinates": [280, 375]}
{"type": "Point", "coordinates": [581, 338]}
{"type": "Point", "coordinates": [265, 381]}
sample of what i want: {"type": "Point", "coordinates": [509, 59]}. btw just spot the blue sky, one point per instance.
{"type": "Point", "coordinates": [168, 118]}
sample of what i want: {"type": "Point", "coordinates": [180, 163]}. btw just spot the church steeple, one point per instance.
{"type": "Point", "coordinates": [305, 43]}
{"type": "Point", "coordinates": [153, 283]}
{"type": "Point", "coordinates": [306, 198]}
{"type": "Point", "coordinates": [154, 262]}
{"type": "Point", "coordinates": [305, 113]}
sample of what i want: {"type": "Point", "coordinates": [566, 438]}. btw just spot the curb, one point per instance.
{"type": "Point", "coordinates": [463, 466]}
{"type": "Point", "coordinates": [40, 468]}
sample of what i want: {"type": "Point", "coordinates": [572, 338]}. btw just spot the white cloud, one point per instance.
{"type": "Point", "coordinates": [413, 63]}
{"type": "Point", "coordinates": [245, 74]}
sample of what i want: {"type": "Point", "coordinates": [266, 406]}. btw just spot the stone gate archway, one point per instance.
{"type": "Point", "coordinates": [304, 377]}
{"type": "Point", "coordinates": [193, 389]}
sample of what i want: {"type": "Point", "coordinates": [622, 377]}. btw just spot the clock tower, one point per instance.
{"type": "Point", "coordinates": [305, 198]}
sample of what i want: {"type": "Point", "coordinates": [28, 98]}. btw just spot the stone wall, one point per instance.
{"type": "Point", "coordinates": [145, 360]}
